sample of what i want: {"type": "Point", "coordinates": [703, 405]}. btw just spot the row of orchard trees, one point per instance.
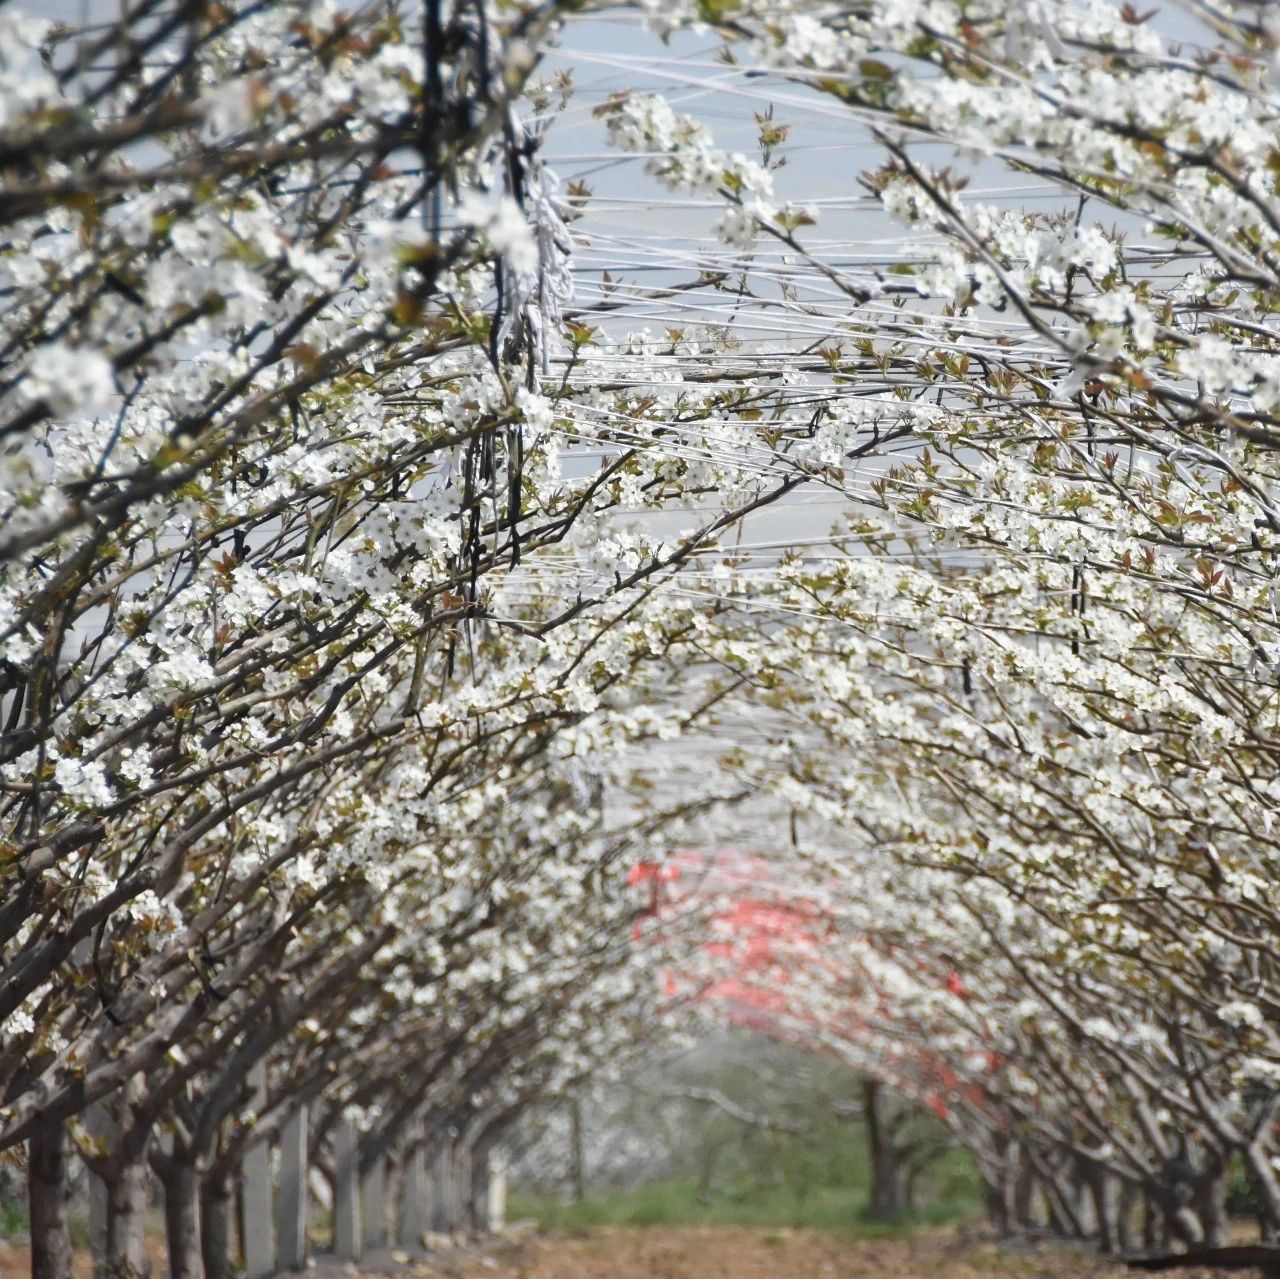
{"type": "Point", "coordinates": [315, 663]}
{"type": "Point", "coordinates": [1023, 711]}
{"type": "Point", "coordinates": [322, 651]}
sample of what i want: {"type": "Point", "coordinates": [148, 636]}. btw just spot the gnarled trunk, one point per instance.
{"type": "Point", "coordinates": [182, 1220]}
{"type": "Point", "coordinates": [1105, 1191]}
{"type": "Point", "coordinates": [1266, 1190]}
{"type": "Point", "coordinates": [1212, 1202]}
{"type": "Point", "coordinates": [1124, 1216]}
{"type": "Point", "coordinates": [215, 1227]}
{"type": "Point", "coordinates": [994, 1205]}
{"type": "Point", "coordinates": [47, 1202]}
{"type": "Point", "coordinates": [1064, 1217]}
{"type": "Point", "coordinates": [1155, 1222]}
{"type": "Point", "coordinates": [1184, 1225]}
{"type": "Point", "coordinates": [886, 1202]}
{"type": "Point", "coordinates": [126, 1221]}
{"type": "Point", "coordinates": [1024, 1188]}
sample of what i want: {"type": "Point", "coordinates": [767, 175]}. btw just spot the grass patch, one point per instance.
{"type": "Point", "coordinates": [13, 1219]}
{"type": "Point", "coordinates": [678, 1202]}
{"type": "Point", "coordinates": [808, 1170]}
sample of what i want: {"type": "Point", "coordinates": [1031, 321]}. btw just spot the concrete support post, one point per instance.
{"type": "Point", "coordinates": [440, 1189]}
{"type": "Point", "coordinates": [459, 1189]}
{"type": "Point", "coordinates": [498, 1189]}
{"type": "Point", "coordinates": [478, 1189]}
{"type": "Point", "coordinates": [291, 1200]}
{"type": "Point", "coordinates": [414, 1217]}
{"type": "Point", "coordinates": [373, 1197]}
{"type": "Point", "coordinates": [259, 1227]}
{"type": "Point", "coordinates": [1085, 1207]}
{"type": "Point", "coordinates": [347, 1234]}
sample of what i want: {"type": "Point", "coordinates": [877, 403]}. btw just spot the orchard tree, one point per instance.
{"type": "Point", "coordinates": [1036, 666]}
{"type": "Point", "coordinates": [281, 481]}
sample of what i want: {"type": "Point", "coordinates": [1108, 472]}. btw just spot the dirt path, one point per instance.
{"type": "Point", "coordinates": [721, 1252]}
{"type": "Point", "coordinates": [734, 1253]}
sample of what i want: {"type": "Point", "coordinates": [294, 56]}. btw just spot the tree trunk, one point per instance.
{"type": "Point", "coordinates": [126, 1220]}
{"type": "Point", "coordinates": [1056, 1221]}
{"type": "Point", "coordinates": [1081, 1183]}
{"type": "Point", "coordinates": [994, 1202]}
{"type": "Point", "coordinates": [215, 1227]}
{"type": "Point", "coordinates": [1105, 1192]}
{"type": "Point", "coordinates": [182, 1220]}
{"type": "Point", "coordinates": [1155, 1222]}
{"type": "Point", "coordinates": [1124, 1216]}
{"type": "Point", "coordinates": [886, 1175]}
{"type": "Point", "coordinates": [1213, 1208]}
{"type": "Point", "coordinates": [1024, 1188]}
{"type": "Point", "coordinates": [915, 1170]}
{"type": "Point", "coordinates": [578, 1169]}
{"type": "Point", "coordinates": [47, 1201]}
{"type": "Point", "coordinates": [1266, 1190]}
{"type": "Point", "coordinates": [1063, 1216]}
{"type": "Point", "coordinates": [1184, 1224]}
{"type": "Point", "coordinates": [707, 1157]}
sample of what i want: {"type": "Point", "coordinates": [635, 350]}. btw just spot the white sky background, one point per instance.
{"type": "Point", "coordinates": [640, 231]}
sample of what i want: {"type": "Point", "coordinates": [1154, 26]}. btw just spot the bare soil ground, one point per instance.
{"type": "Point", "coordinates": [675, 1252]}
{"type": "Point", "coordinates": [712, 1252]}
{"type": "Point", "coordinates": [15, 1260]}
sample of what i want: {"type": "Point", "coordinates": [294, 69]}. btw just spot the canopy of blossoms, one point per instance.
{"type": "Point", "coordinates": [395, 555]}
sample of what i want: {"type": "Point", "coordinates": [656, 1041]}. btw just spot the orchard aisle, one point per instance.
{"type": "Point", "coordinates": [710, 1252]}
{"type": "Point", "coordinates": [723, 1252]}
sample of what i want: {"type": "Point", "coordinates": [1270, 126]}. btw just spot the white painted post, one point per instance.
{"type": "Point", "coordinates": [373, 1195]}
{"type": "Point", "coordinates": [347, 1234]}
{"type": "Point", "coordinates": [498, 1189]}
{"type": "Point", "coordinates": [259, 1229]}
{"type": "Point", "coordinates": [291, 1201]}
